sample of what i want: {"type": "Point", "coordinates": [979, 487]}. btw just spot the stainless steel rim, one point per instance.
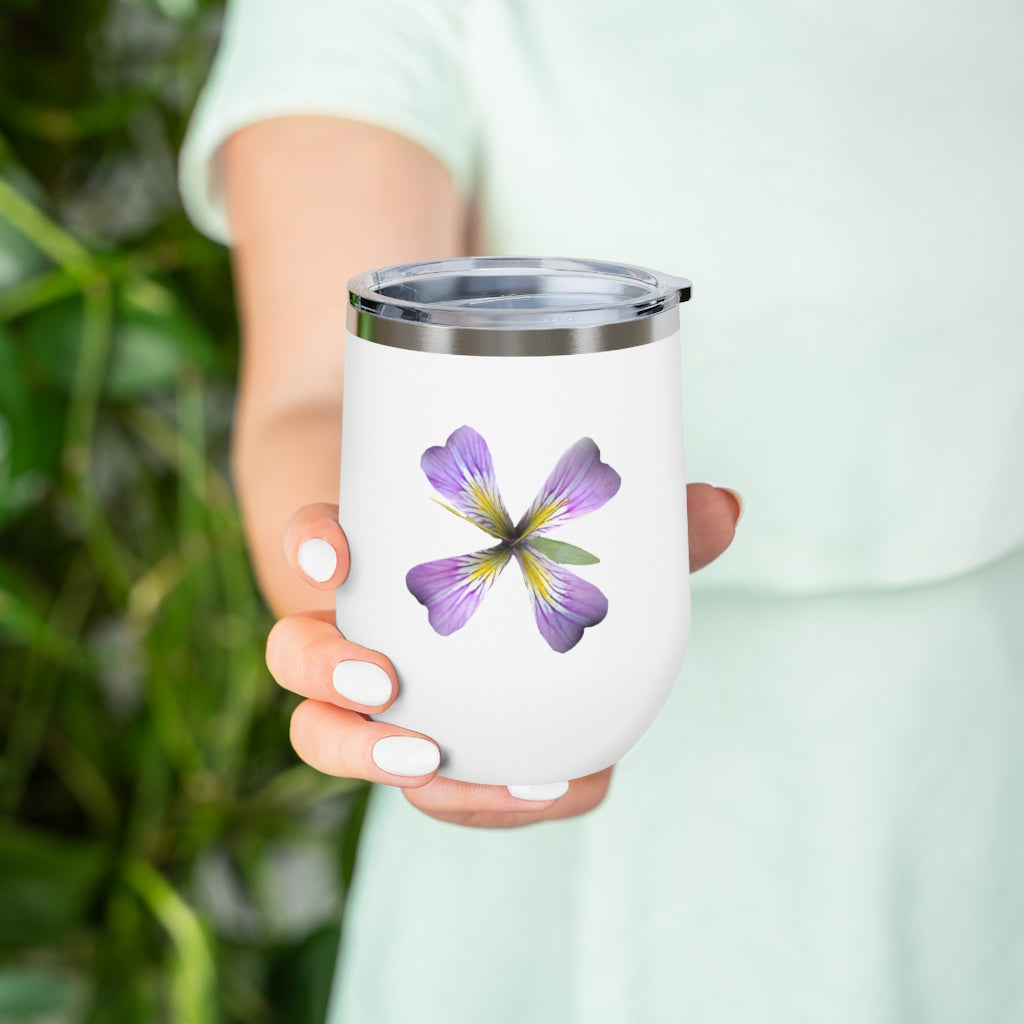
{"type": "Point", "coordinates": [467, 341]}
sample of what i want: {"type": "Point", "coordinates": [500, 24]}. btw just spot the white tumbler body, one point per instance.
{"type": "Point", "coordinates": [506, 699]}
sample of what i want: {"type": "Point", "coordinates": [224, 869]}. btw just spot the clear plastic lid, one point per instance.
{"type": "Point", "coordinates": [515, 293]}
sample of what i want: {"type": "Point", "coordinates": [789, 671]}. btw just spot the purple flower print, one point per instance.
{"type": "Point", "coordinates": [564, 605]}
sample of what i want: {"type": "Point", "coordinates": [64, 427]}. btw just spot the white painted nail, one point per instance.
{"type": "Point", "coordinates": [317, 559]}
{"type": "Point", "coordinates": [362, 682]}
{"type": "Point", "coordinates": [543, 791]}
{"type": "Point", "coordinates": [406, 755]}
{"type": "Point", "coordinates": [739, 501]}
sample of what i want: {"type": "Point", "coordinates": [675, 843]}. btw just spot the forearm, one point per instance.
{"type": "Point", "coordinates": [312, 201]}
{"type": "Point", "coordinates": [272, 483]}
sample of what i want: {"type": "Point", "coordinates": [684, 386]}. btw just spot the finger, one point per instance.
{"type": "Point", "coordinates": [315, 545]}
{"type": "Point", "coordinates": [307, 655]}
{"type": "Point", "coordinates": [337, 741]}
{"type": "Point", "coordinates": [713, 513]}
{"type": "Point", "coordinates": [463, 803]}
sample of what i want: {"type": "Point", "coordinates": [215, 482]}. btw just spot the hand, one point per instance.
{"type": "Point", "coordinates": [344, 684]}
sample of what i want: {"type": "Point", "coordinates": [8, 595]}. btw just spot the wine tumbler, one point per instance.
{"type": "Point", "coordinates": [513, 492]}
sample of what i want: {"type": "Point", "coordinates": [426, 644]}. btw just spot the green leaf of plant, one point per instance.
{"type": "Point", "coordinates": [24, 620]}
{"type": "Point", "coordinates": [32, 994]}
{"type": "Point", "coordinates": [154, 339]}
{"type": "Point", "coordinates": [300, 978]}
{"type": "Point", "coordinates": [48, 886]}
{"type": "Point", "coordinates": [19, 258]}
{"type": "Point", "coordinates": [562, 553]}
{"type": "Point", "coordinates": [31, 433]}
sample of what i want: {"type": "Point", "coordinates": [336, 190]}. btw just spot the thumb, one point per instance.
{"type": "Point", "coordinates": [316, 546]}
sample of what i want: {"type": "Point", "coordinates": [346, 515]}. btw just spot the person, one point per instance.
{"type": "Point", "coordinates": [826, 822]}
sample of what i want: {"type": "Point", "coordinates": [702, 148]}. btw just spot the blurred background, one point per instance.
{"type": "Point", "coordinates": [163, 855]}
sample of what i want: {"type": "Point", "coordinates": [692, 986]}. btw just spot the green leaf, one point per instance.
{"type": "Point", "coordinates": [32, 994]}
{"type": "Point", "coordinates": [49, 884]}
{"type": "Point", "coordinates": [34, 422]}
{"type": "Point", "coordinates": [19, 258]}
{"type": "Point", "coordinates": [300, 978]}
{"type": "Point", "coordinates": [193, 975]}
{"type": "Point", "coordinates": [562, 553]}
{"type": "Point", "coordinates": [24, 620]}
{"type": "Point", "coordinates": [154, 339]}
{"type": "Point", "coordinates": [182, 11]}
{"type": "Point", "coordinates": [50, 342]}
{"type": "Point", "coordinates": [31, 435]}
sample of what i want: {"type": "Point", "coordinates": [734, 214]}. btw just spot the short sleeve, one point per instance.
{"type": "Point", "coordinates": [398, 64]}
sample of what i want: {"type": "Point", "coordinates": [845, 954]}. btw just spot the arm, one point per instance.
{"type": "Point", "coordinates": [312, 201]}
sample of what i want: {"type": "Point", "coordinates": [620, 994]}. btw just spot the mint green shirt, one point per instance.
{"type": "Point", "coordinates": [827, 821]}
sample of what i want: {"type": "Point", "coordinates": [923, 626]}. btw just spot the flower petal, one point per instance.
{"type": "Point", "coordinates": [563, 604]}
{"type": "Point", "coordinates": [452, 588]}
{"type": "Point", "coordinates": [579, 483]}
{"type": "Point", "coordinates": [462, 470]}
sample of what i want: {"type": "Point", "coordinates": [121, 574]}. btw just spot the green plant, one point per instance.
{"type": "Point", "coordinates": [162, 855]}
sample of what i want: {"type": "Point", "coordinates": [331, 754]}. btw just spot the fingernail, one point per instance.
{"type": "Point", "coordinates": [543, 791]}
{"type": "Point", "coordinates": [740, 503]}
{"type": "Point", "coordinates": [317, 559]}
{"type": "Point", "coordinates": [406, 755]}
{"type": "Point", "coordinates": [362, 682]}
